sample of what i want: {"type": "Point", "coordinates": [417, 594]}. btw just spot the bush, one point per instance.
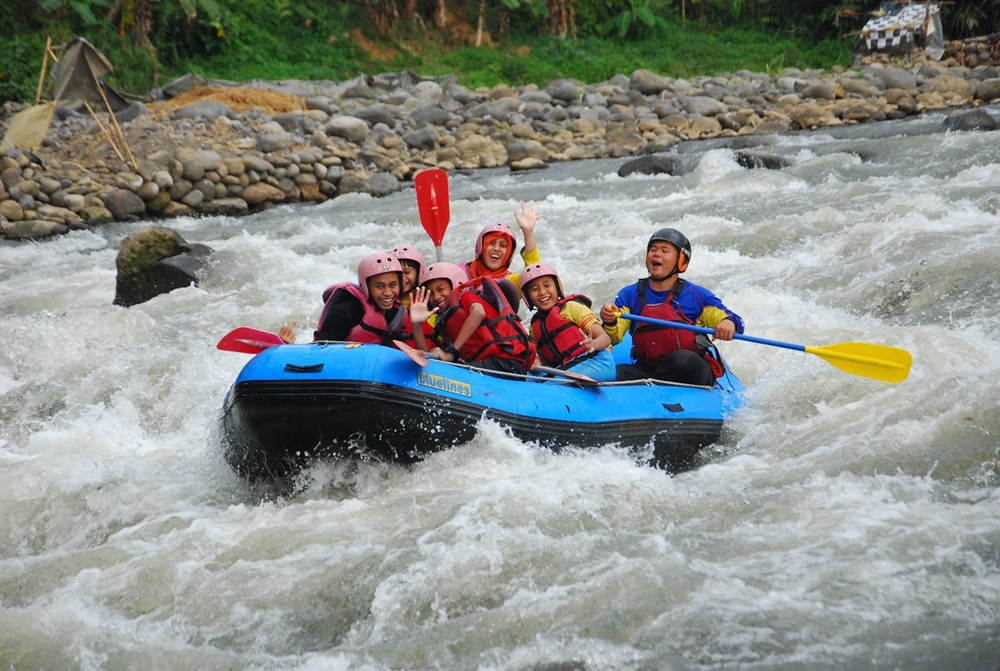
{"type": "Point", "coordinates": [20, 67]}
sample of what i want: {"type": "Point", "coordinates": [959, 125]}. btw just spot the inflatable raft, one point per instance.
{"type": "Point", "coordinates": [294, 404]}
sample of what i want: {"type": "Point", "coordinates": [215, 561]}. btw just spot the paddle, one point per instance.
{"type": "Point", "coordinates": [420, 358]}
{"type": "Point", "coordinates": [879, 362]}
{"type": "Point", "coordinates": [248, 340]}
{"type": "Point", "coordinates": [432, 202]}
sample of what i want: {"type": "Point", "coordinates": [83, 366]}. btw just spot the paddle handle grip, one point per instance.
{"type": "Point", "coordinates": [708, 331]}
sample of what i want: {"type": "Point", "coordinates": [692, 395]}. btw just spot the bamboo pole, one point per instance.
{"type": "Point", "coordinates": [135, 166]}
{"type": "Point", "coordinates": [45, 66]}
{"type": "Point", "coordinates": [104, 130]}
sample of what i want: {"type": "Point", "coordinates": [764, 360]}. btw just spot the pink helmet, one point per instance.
{"type": "Point", "coordinates": [376, 264]}
{"type": "Point", "coordinates": [410, 254]}
{"type": "Point", "coordinates": [533, 272]}
{"type": "Point", "coordinates": [503, 229]}
{"type": "Point", "coordinates": [442, 270]}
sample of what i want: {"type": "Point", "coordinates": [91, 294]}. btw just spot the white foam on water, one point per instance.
{"type": "Point", "coordinates": [840, 523]}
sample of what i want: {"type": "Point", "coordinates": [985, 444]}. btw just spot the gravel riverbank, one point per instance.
{"type": "Point", "coordinates": [232, 150]}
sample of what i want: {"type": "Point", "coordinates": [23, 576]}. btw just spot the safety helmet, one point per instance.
{"type": "Point", "coordinates": [533, 272]}
{"type": "Point", "coordinates": [442, 270]}
{"type": "Point", "coordinates": [678, 240]}
{"type": "Point", "coordinates": [376, 264]}
{"type": "Point", "coordinates": [410, 254]}
{"type": "Point", "coordinates": [502, 229]}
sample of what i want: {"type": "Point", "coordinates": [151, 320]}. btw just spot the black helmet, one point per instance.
{"type": "Point", "coordinates": [677, 239]}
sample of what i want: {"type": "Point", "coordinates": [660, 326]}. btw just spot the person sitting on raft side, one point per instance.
{"type": "Point", "coordinates": [475, 323]}
{"type": "Point", "coordinates": [673, 355]}
{"type": "Point", "coordinates": [366, 312]}
{"type": "Point", "coordinates": [566, 332]}
{"type": "Point", "coordinates": [413, 264]}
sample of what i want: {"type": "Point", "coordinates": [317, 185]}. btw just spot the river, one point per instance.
{"type": "Point", "coordinates": [841, 522]}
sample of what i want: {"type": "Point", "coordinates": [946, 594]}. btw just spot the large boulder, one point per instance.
{"type": "Point", "coordinates": [155, 261]}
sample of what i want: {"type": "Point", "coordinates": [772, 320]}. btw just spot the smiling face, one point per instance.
{"type": "Point", "coordinates": [383, 289]}
{"type": "Point", "coordinates": [496, 252]}
{"type": "Point", "coordinates": [661, 260]}
{"type": "Point", "coordinates": [437, 292]}
{"type": "Point", "coordinates": [410, 273]}
{"type": "Point", "coordinates": [542, 292]}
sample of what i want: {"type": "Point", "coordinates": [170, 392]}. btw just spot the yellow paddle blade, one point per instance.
{"type": "Point", "coordinates": [879, 362]}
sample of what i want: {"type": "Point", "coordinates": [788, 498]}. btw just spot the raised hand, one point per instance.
{"type": "Point", "coordinates": [418, 306]}
{"type": "Point", "coordinates": [527, 217]}
{"type": "Point", "coordinates": [287, 333]}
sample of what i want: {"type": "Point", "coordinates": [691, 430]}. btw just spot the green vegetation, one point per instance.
{"type": "Point", "coordinates": [484, 42]}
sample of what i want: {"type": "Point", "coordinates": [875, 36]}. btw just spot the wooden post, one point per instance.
{"type": "Point", "coordinates": [104, 130]}
{"type": "Point", "coordinates": [135, 166]}
{"type": "Point", "coordinates": [45, 65]}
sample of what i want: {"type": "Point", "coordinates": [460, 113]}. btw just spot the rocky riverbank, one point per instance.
{"type": "Point", "coordinates": [229, 150]}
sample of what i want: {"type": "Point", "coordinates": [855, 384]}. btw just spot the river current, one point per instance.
{"type": "Point", "coordinates": [840, 523]}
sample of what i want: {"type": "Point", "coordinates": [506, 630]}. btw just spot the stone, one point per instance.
{"type": "Point", "coordinates": [124, 204]}
{"type": "Point", "coordinates": [424, 139]}
{"type": "Point", "coordinates": [154, 261]}
{"type": "Point", "coordinates": [206, 109]}
{"type": "Point", "coordinates": [649, 83]}
{"type": "Point", "coordinates": [651, 165]}
{"type": "Point", "coordinates": [988, 90]}
{"type": "Point", "coordinates": [350, 128]}
{"type": "Point", "coordinates": [702, 105]}
{"type": "Point", "coordinates": [565, 90]}
{"type": "Point", "coordinates": [526, 149]}
{"type": "Point", "coordinates": [258, 193]}
{"type": "Point", "coordinates": [223, 207]}
{"type": "Point", "coordinates": [974, 119]}
{"type": "Point", "coordinates": [31, 230]}
{"type": "Point", "coordinates": [528, 164]}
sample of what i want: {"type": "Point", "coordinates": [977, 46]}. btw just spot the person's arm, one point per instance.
{"type": "Point", "coordinates": [714, 314]}
{"type": "Point", "coordinates": [595, 338]}
{"type": "Point", "coordinates": [599, 339]}
{"type": "Point", "coordinates": [526, 220]}
{"type": "Point", "coordinates": [615, 328]}
{"type": "Point", "coordinates": [476, 316]}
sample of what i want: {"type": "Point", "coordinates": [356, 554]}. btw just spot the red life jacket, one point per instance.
{"type": "Point", "coordinates": [373, 328]}
{"type": "Point", "coordinates": [651, 343]}
{"type": "Point", "coordinates": [558, 339]}
{"type": "Point", "coordinates": [501, 333]}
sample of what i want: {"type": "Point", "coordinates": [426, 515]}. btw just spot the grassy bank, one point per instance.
{"type": "Point", "coordinates": [289, 50]}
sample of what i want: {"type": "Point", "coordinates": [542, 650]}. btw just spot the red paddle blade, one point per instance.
{"type": "Point", "coordinates": [248, 340]}
{"type": "Point", "coordinates": [432, 202]}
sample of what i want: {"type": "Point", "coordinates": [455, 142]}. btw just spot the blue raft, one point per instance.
{"type": "Point", "coordinates": [295, 404]}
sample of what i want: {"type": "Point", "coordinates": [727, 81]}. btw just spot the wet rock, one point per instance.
{"type": "Point", "coordinates": [974, 119]}
{"type": "Point", "coordinates": [651, 165]}
{"type": "Point", "coordinates": [31, 230]}
{"type": "Point", "coordinates": [223, 207]}
{"type": "Point", "coordinates": [155, 261]}
{"type": "Point", "coordinates": [528, 163]}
